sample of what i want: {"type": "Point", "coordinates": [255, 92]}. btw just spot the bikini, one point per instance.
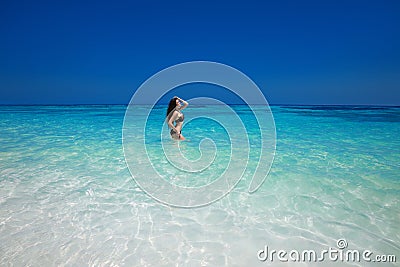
{"type": "Point", "coordinates": [179, 119]}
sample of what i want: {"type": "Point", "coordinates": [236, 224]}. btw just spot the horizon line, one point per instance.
{"type": "Point", "coordinates": [237, 104]}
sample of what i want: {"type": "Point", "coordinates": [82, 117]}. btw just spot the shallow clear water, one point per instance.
{"type": "Point", "coordinates": [68, 198]}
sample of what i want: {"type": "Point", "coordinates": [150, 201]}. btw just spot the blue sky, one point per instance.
{"type": "Point", "coordinates": [297, 52]}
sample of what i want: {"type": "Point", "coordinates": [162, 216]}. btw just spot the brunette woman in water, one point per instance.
{"type": "Point", "coordinates": [175, 117]}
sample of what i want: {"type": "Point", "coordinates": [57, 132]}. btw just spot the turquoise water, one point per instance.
{"type": "Point", "coordinates": [68, 198]}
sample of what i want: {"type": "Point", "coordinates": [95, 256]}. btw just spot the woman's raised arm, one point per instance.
{"type": "Point", "coordinates": [185, 104]}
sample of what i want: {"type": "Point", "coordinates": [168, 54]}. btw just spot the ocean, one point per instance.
{"type": "Point", "coordinates": [68, 198]}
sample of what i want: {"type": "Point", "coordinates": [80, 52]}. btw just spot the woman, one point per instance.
{"type": "Point", "coordinates": [174, 115]}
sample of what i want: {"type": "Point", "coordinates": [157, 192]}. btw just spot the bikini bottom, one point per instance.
{"type": "Point", "coordinates": [172, 132]}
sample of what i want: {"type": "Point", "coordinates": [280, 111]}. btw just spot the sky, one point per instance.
{"type": "Point", "coordinates": [297, 52]}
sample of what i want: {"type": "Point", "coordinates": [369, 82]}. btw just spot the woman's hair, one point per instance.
{"type": "Point", "coordinates": [171, 105]}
